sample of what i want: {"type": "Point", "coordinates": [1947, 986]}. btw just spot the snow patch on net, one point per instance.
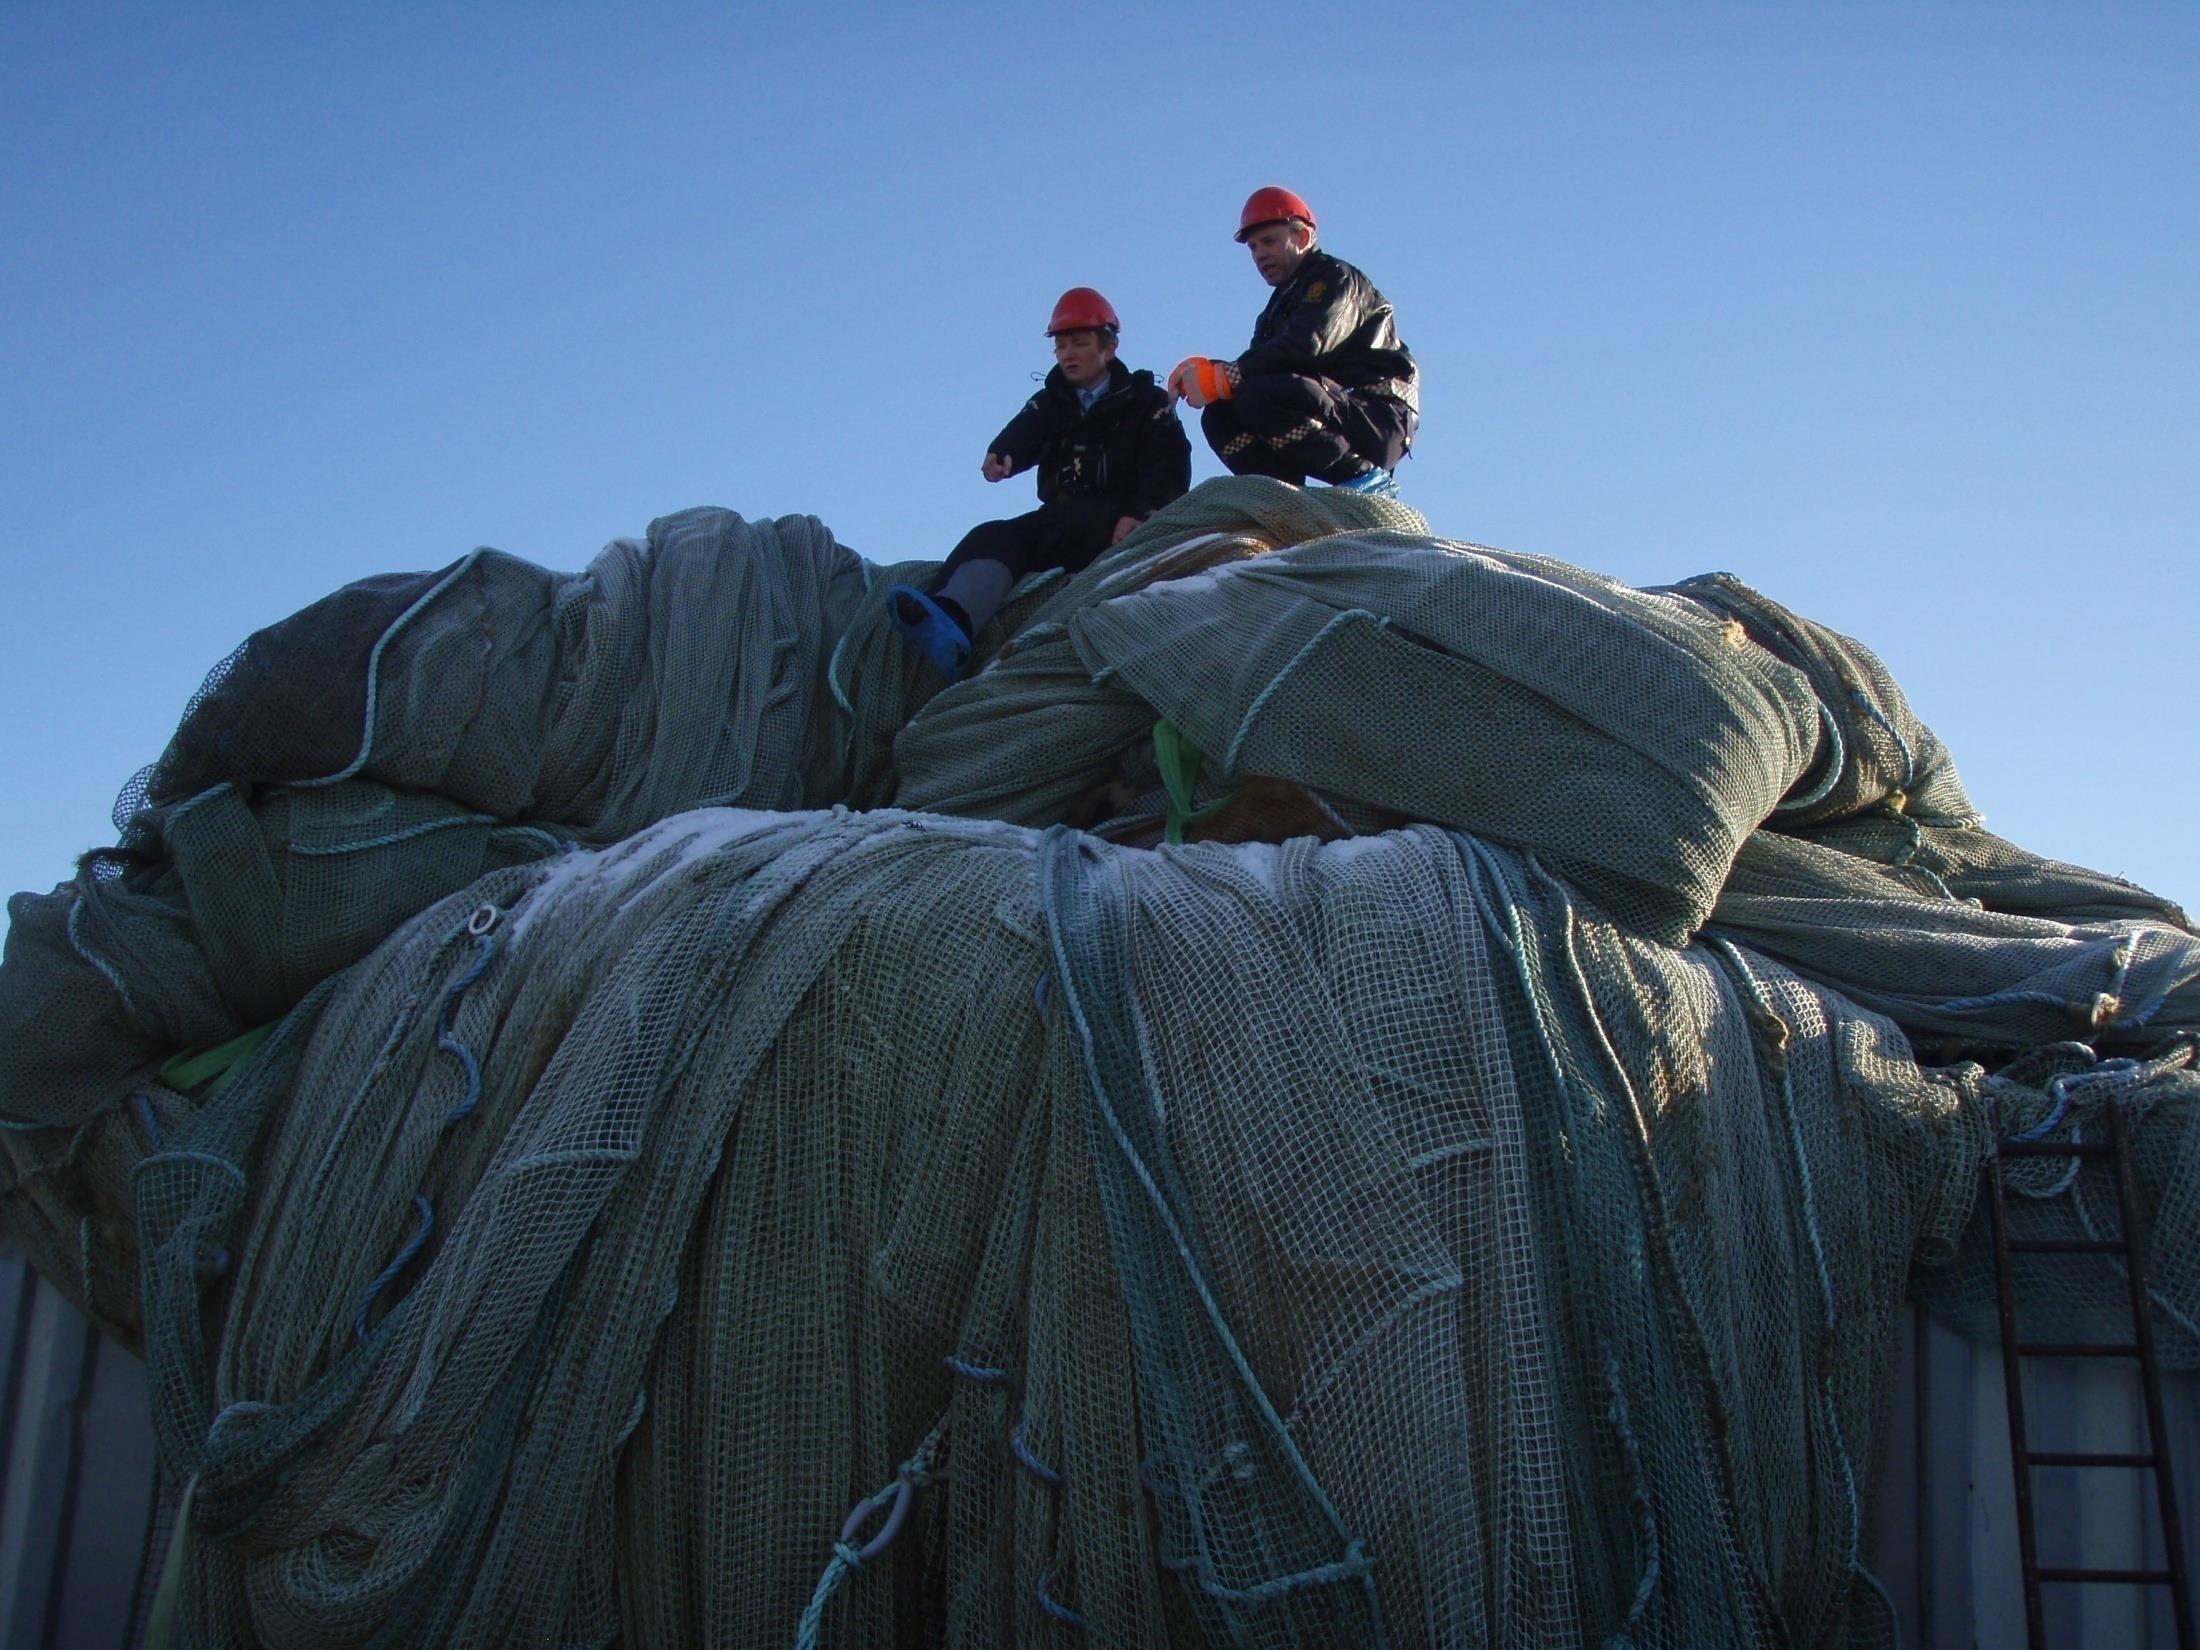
{"type": "Point", "coordinates": [626, 871]}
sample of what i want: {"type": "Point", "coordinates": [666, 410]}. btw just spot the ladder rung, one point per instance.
{"type": "Point", "coordinates": [2082, 1458]}
{"type": "Point", "coordinates": [2088, 1349]}
{"type": "Point", "coordinates": [2132, 1577]}
{"type": "Point", "coordinates": [2066, 1246]}
{"type": "Point", "coordinates": [2055, 1148]}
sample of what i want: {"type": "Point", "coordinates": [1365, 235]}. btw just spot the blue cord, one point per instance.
{"type": "Point", "coordinates": [425, 1214]}
{"type": "Point", "coordinates": [1046, 1601]}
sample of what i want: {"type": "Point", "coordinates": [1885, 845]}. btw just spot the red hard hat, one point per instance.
{"type": "Point", "coordinates": [1081, 309]}
{"type": "Point", "coordinates": [1273, 204]}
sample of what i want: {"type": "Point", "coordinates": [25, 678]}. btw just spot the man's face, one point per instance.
{"type": "Point", "coordinates": [1278, 249]}
{"type": "Point", "coordinates": [1083, 356]}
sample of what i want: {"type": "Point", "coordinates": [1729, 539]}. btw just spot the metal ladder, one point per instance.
{"type": "Point", "coordinates": [2128, 1247]}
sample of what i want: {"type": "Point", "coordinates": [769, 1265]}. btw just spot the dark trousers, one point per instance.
{"type": "Point", "coordinates": [1284, 425]}
{"type": "Point", "coordinates": [1067, 534]}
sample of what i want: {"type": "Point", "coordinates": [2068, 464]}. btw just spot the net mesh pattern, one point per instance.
{"type": "Point", "coordinates": [711, 1080]}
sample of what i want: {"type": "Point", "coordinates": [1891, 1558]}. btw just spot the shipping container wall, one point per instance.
{"type": "Point", "coordinates": [1946, 1545]}
{"type": "Point", "coordinates": [82, 1532]}
{"type": "Point", "coordinates": [76, 1474]}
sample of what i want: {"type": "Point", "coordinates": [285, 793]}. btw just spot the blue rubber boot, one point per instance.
{"type": "Point", "coordinates": [1376, 483]}
{"type": "Point", "coordinates": [931, 632]}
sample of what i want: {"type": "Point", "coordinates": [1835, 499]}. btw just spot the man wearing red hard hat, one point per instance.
{"type": "Point", "coordinates": [1109, 453]}
{"type": "Point", "coordinates": [1328, 390]}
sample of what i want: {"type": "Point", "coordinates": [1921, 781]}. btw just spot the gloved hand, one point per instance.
{"type": "Point", "coordinates": [1199, 380]}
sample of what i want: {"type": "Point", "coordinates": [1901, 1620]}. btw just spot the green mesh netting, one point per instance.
{"type": "Point", "coordinates": [1477, 1213]}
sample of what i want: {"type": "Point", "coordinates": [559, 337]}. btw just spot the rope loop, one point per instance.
{"type": "Point", "coordinates": [1052, 1606]}
{"type": "Point", "coordinates": [912, 1475]}
{"type": "Point", "coordinates": [1030, 1462]}
{"type": "Point", "coordinates": [895, 1497]}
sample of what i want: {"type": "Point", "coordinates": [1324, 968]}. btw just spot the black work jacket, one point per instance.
{"type": "Point", "coordinates": [1128, 446]}
{"type": "Point", "coordinates": [1328, 321]}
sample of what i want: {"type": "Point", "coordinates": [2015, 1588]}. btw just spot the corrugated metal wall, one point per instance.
{"type": "Point", "coordinates": [1947, 1543]}
{"type": "Point", "coordinates": [76, 1455]}
{"type": "Point", "coordinates": [76, 1473]}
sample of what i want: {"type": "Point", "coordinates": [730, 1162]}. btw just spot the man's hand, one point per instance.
{"type": "Point", "coordinates": [997, 467]}
{"type": "Point", "coordinates": [1199, 381]}
{"type": "Point", "coordinates": [1124, 528]}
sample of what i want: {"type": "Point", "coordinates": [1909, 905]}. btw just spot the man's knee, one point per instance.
{"type": "Point", "coordinates": [1241, 451]}
{"type": "Point", "coordinates": [1012, 541]}
{"type": "Point", "coordinates": [1380, 429]}
{"type": "Point", "coordinates": [1076, 530]}
{"type": "Point", "coordinates": [1271, 403]}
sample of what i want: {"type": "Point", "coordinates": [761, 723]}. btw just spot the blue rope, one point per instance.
{"type": "Point", "coordinates": [974, 1372]}
{"type": "Point", "coordinates": [1494, 886]}
{"type": "Point", "coordinates": [374, 667]}
{"type": "Point", "coordinates": [389, 838]}
{"type": "Point", "coordinates": [832, 675]}
{"type": "Point", "coordinates": [482, 926]}
{"type": "Point", "coordinates": [144, 1109]}
{"type": "Point", "coordinates": [1830, 1311]}
{"type": "Point", "coordinates": [1886, 1602]}
{"type": "Point", "coordinates": [188, 803]}
{"type": "Point", "coordinates": [1638, 1500]}
{"type": "Point", "coordinates": [1837, 764]}
{"type": "Point", "coordinates": [1054, 845]}
{"type": "Point", "coordinates": [105, 968]}
{"type": "Point", "coordinates": [845, 1561]}
{"type": "Point", "coordinates": [1057, 842]}
{"type": "Point", "coordinates": [1305, 652]}
{"type": "Point", "coordinates": [1031, 1463]}
{"type": "Point", "coordinates": [426, 1216]}
{"type": "Point", "coordinates": [2001, 999]}
{"type": "Point", "coordinates": [2058, 1090]}
{"type": "Point", "coordinates": [912, 1475]}
{"type": "Point", "coordinates": [1909, 757]}
{"type": "Point", "coordinates": [1354, 1565]}
{"type": "Point", "coordinates": [1907, 859]}
{"type": "Point", "coordinates": [1046, 1601]}
{"type": "Point", "coordinates": [486, 944]}
{"type": "Point", "coordinates": [552, 843]}
{"type": "Point", "coordinates": [2112, 1074]}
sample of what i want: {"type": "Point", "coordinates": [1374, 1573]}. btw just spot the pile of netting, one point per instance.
{"type": "Point", "coordinates": [1348, 1088]}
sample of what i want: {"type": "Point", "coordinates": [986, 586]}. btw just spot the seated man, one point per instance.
{"type": "Point", "coordinates": [1327, 390]}
{"type": "Point", "coordinates": [1110, 452]}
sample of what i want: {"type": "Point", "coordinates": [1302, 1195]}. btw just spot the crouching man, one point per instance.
{"type": "Point", "coordinates": [1109, 452]}
{"type": "Point", "coordinates": [1328, 390]}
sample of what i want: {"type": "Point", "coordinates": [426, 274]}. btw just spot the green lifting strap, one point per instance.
{"type": "Point", "coordinates": [213, 1066]}
{"type": "Point", "coordinates": [160, 1621]}
{"type": "Point", "coordinates": [1180, 761]}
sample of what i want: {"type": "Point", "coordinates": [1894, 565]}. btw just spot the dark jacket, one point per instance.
{"type": "Point", "coordinates": [1129, 446]}
{"type": "Point", "coordinates": [1328, 321]}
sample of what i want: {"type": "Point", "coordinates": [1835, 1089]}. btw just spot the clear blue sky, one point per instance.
{"type": "Point", "coordinates": [1889, 309]}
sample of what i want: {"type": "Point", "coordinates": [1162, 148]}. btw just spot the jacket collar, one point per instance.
{"type": "Point", "coordinates": [1119, 380]}
{"type": "Point", "coordinates": [1316, 265]}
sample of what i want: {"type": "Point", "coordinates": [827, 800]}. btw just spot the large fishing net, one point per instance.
{"type": "Point", "coordinates": [1348, 1088]}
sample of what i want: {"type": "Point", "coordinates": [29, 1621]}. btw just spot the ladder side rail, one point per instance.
{"type": "Point", "coordinates": [2150, 1376]}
